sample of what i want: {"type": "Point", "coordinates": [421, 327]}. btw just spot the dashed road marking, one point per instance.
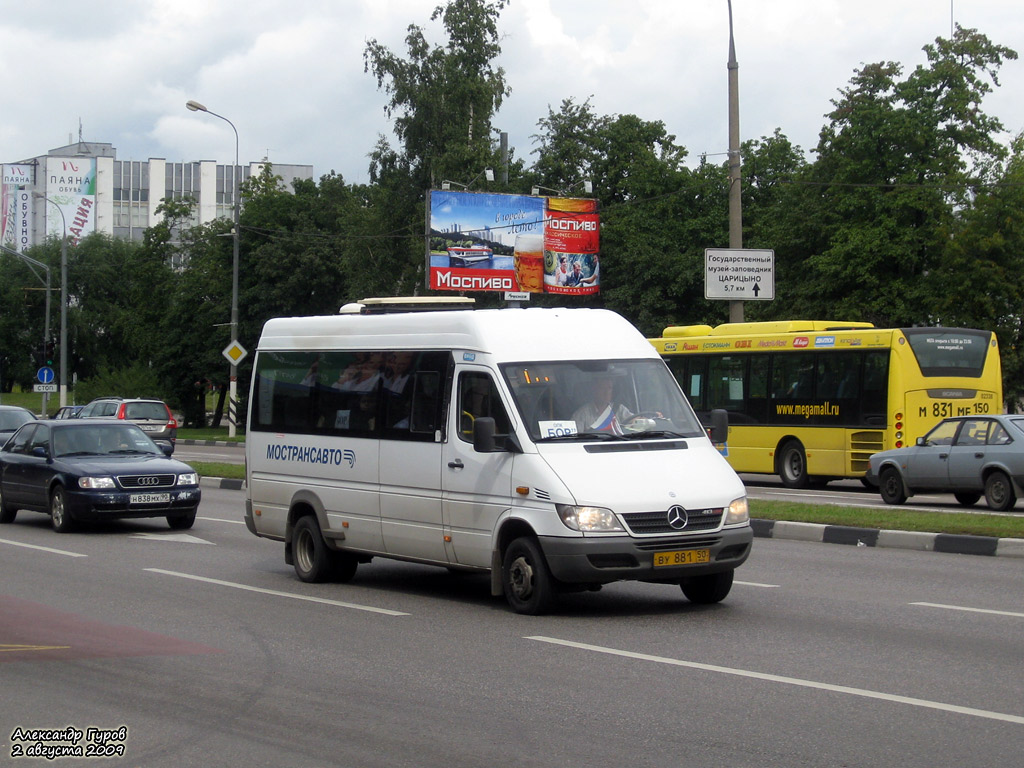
{"type": "Point", "coordinates": [276, 593]}
{"type": "Point", "coordinates": [896, 699]}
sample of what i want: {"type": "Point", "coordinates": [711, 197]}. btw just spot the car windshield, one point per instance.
{"type": "Point", "coordinates": [11, 420]}
{"type": "Point", "coordinates": [600, 399]}
{"type": "Point", "coordinates": [102, 440]}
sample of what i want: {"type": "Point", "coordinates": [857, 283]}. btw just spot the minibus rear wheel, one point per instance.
{"type": "Point", "coordinates": [528, 585]}
{"type": "Point", "coordinates": [314, 562]}
{"type": "Point", "coordinates": [707, 589]}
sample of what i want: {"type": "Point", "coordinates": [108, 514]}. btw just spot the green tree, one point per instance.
{"type": "Point", "coordinates": [442, 98]}
{"type": "Point", "coordinates": [657, 215]}
{"type": "Point", "coordinates": [978, 284]}
{"type": "Point", "coordinates": [891, 170]}
{"type": "Point", "coordinates": [22, 296]}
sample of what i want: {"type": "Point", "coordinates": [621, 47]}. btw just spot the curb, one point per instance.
{"type": "Point", "coordinates": [873, 537]}
{"type": "Point", "coordinates": [229, 484]}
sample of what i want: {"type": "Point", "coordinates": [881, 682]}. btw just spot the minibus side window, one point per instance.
{"type": "Point", "coordinates": [413, 394]}
{"type": "Point", "coordinates": [478, 396]}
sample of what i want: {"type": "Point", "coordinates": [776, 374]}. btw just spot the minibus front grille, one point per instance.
{"type": "Point", "coordinates": [642, 523]}
{"type": "Point", "coordinates": [683, 542]}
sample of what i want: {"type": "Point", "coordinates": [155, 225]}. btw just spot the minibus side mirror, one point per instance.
{"type": "Point", "coordinates": [485, 440]}
{"type": "Point", "coordinates": [483, 434]}
{"type": "Point", "coordinates": [719, 429]}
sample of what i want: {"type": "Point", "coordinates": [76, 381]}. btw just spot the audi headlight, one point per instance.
{"type": "Point", "coordinates": [588, 519]}
{"type": "Point", "coordinates": [188, 478]}
{"type": "Point", "coordinates": [738, 512]}
{"type": "Point", "coordinates": [96, 482]}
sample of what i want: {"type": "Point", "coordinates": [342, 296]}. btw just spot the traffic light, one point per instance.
{"type": "Point", "coordinates": [48, 353]}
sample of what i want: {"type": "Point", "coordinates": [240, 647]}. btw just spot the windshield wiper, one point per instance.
{"type": "Point", "coordinates": [583, 436]}
{"type": "Point", "coordinates": [655, 433]}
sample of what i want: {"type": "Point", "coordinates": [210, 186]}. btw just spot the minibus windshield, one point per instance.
{"type": "Point", "coordinates": [600, 399]}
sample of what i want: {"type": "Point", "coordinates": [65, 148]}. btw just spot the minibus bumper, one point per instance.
{"type": "Point", "coordinates": [600, 560]}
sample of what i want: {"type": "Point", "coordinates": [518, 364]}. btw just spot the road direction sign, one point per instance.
{"type": "Point", "coordinates": [739, 274]}
{"type": "Point", "coordinates": [45, 375]}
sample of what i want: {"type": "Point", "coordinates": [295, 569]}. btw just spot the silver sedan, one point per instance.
{"type": "Point", "coordinates": [967, 456]}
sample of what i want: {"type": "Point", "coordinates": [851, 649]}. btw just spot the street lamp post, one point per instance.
{"type": "Point", "coordinates": [735, 198]}
{"type": "Point", "coordinates": [63, 303]}
{"type": "Point", "coordinates": [195, 106]}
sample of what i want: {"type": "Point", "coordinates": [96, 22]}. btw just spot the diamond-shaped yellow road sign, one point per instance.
{"type": "Point", "coordinates": [235, 352]}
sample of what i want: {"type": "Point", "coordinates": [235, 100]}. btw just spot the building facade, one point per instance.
{"type": "Point", "coordinates": [83, 188]}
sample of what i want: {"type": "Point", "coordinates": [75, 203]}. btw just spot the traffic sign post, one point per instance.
{"type": "Point", "coordinates": [45, 385]}
{"type": "Point", "coordinates": [739, 274]}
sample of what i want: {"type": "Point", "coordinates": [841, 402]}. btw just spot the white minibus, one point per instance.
{"type": "Point", "coordinates": [550, 448]}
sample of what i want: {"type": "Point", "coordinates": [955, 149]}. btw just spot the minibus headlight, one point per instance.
{"type": "Point", "coordinates": [737, 512]}
{"type": "Point", "coordinates": [95, 482]}
{"type": "Point", "coordinates": [588, 519]}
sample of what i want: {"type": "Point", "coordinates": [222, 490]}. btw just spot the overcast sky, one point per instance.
{"type": "Point", "coordinates": [290, 75]}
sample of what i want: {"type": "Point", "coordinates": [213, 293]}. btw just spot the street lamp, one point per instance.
{"type": "Point", "coordinates": [735, 197]}
{"type": "Point", "coordinates": [588, 188]}
{"type": "Point", "coordinates": [487, 173]}
{"type": "Point", "coordinates": [195, 106]}
{"type": "Point", "coordinates": [63, 302]}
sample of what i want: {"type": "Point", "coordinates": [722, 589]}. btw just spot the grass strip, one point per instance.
{"type": "Point", "coordinates": [893, 519]}
{"type": "Point", "coordinates": [219, 469]}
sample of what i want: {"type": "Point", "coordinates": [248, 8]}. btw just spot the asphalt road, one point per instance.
{"type": "Point", "coordinates": [207, 650]}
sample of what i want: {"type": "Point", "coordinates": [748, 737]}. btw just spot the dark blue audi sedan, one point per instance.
{"type": "Point", "coordinates": [89, 470]}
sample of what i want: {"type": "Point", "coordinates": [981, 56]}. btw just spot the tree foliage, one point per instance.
{"type": "Point", "coordinates": [442, 97]}
{"type": "Point", "coordinates": [910, 212]}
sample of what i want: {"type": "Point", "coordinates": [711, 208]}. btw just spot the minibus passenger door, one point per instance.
{"type": "Point", "coordinates": [476, 484]}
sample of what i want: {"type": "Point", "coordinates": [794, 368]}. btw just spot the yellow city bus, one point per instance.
{"type": "Point", "coordinates": [811, 400]}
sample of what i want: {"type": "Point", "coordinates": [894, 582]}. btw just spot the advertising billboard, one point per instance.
{"type": "Point", "coordinates": [524, 243]}
{"type": "Point", "coordinates": [16, 207]}
{"type": "Point", "coordinates": [71, 185]}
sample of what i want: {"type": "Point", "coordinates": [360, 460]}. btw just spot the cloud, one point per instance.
{"type": "Point", "coordinates": [290, 76]}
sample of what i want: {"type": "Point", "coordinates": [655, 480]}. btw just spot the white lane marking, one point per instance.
{"type": "Point", "coordinates": [755, 584]}
{"type": "Point", "coordinates": [275, 593]}
{"type": "Point", "coordinates": [790, 681]}
{"type": "Point", "coordinates": [43, 549]}
{"type": "Point", "coordinates": [972, 610]}
{"type": "Point", "coordinates": [181, 537]}
{"type": "Point", "coordinates": [221, 520]}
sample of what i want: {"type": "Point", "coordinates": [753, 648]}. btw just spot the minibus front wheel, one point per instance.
{"type": "Point", "coordinates": [707, 589]}
{"type": "Point", "coordinates": [529, 587]}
